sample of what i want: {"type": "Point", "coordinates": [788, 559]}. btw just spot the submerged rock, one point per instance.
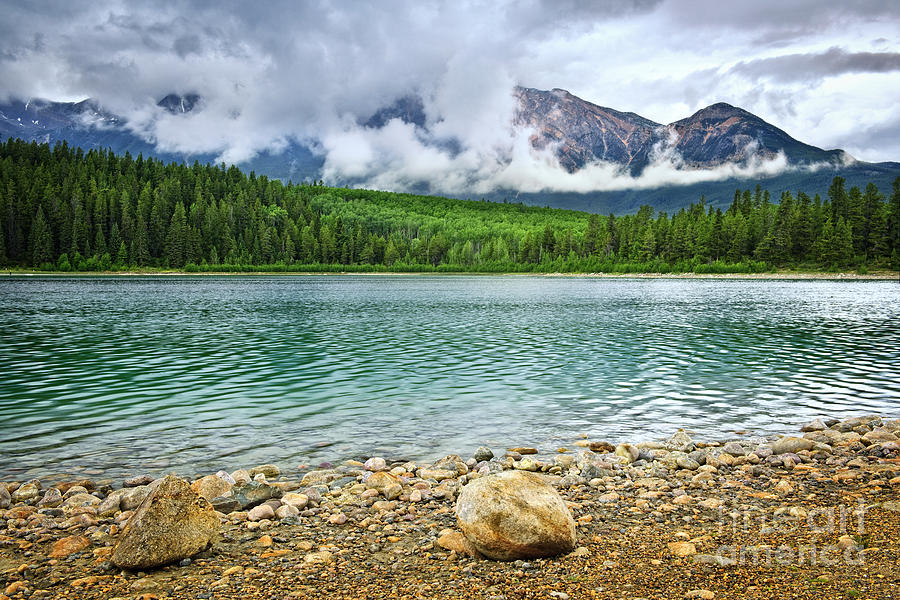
{"type": "Point", "coordinates": [515, 514]}
{"type": "Point", "coordinates": [172, 523]}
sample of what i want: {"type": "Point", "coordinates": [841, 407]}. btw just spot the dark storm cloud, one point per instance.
{"type": "Point", "coordinates": [811, 67]}
{"type": "Point", "coordinates": [279, 71]}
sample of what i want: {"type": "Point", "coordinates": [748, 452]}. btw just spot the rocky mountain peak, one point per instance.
{"type": "Point", "coordinates": [178, 105]}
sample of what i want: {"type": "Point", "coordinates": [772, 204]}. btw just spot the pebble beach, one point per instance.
{"type": "Point", "coordinates": [811, 515]}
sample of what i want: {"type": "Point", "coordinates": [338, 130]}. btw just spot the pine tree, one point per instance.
{"type": "Point", "coordinates": [41, 243]}
{"type": "Point", "coordinates": [122, 255]}
{"type": "Point", "coordinates": [176, 242]}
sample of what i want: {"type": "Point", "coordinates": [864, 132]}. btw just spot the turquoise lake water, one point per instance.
{"type": "Point", "coordinates": [123, 375]}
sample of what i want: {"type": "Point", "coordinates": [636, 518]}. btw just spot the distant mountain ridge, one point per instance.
{"type": "Point", "coordinates": [585, 132]}
{"type": "Point", "coordinates": [578, 132]}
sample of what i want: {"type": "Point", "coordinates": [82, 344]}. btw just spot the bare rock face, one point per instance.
{"type": "Point", "coordinates": [515, 514]}
{"type": "Point", "coordinates": [172, 523]}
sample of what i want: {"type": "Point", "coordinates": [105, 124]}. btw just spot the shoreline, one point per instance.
{"type": "Point", "coordinates": [778, 275]}
{"type": "Point", "coordinates": [676, 518]}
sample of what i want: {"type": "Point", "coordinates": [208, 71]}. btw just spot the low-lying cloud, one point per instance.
{"type": "Point", "coordinates": [282, 72]}
{"type": "Point", "coordinates": [403, 156]}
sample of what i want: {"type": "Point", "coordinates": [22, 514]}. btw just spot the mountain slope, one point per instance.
{"type": "Point", "coordinates": [585, 132]}
{"type": "Point", "coordinates": [578, 132]}
{"type": "Point", "coordinates": [723, 133]}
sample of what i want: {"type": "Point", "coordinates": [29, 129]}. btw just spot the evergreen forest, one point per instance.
{"type": "Point", "coordinates": [64, 209]}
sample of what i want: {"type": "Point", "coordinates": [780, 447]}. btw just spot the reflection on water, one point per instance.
{"type": "Point", "coordinates": [192, 374]}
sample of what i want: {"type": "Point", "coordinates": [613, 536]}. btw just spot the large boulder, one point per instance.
{"type": "Point", "coordinates": [515, 514]}
{"type": "Point", "coordinates": [171, 524]}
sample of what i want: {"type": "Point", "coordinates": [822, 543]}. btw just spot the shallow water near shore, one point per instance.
{"type": "Point", "coordinates": [115, 376]}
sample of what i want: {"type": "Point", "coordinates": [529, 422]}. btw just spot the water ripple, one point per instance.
{"type": "Point", "coordinates": [195, 374]}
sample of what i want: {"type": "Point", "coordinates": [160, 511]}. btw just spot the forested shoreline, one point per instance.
{"type": "Point", "coordinates": [63, 209]}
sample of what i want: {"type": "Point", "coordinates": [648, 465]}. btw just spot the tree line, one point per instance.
{"type": "Point", "coordinates": [65, 209]}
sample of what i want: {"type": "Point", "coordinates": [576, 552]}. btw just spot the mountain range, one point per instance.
{"type": "Point", "coordinates": [577, 132]}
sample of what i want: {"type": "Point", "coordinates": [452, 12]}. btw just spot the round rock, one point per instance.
{"type": "Point", "coordinates": [515, 514]}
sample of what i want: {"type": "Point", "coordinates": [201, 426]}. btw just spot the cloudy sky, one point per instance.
{"type": "Point", "coordinates": [271, 72]}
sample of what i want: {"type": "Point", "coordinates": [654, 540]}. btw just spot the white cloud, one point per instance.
{"type": "Point", "coordinates": [281, 71]}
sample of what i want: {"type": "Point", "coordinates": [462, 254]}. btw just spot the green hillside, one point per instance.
{"type": "Point", "coordinates": [66, 209]}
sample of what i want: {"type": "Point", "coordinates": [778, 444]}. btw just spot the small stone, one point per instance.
{"type": "Point", "coordinates": [15, 587]}
{"type": "Point", "coordinates": [337, 519]}
{"type": "Point", "coordinates": [790, 444]}
{"type": "Point", "coordinates": [144, 584]}
{"type": "Point", "coordinates": [846, 542]}
{"type": "Point", "coordinates": [609, 497]}
{"type": "Point", "coordinates": [734, 449]}
{"type": "Point", "coordinates": [392, 491]}
{"type": "Point", "coordinates": [318, 558]}
{"type": "Point", "coordinates": [286, 511]}
{"type": "Point", "coordinates": [52, 498]}
{"type": "Point", "coordinates": [27, 491]}
{"type": "Point", "coordinates": [251, 493]}
{"type": "Point", "coordinates": [682, 548]}
{"type": "Point", "coordinates": [415, 496]}
{"type": "Point", "coordinates": [816, 425]}
{"type": "Point", "coordinates": [375, 464]}
{"type": "Point", "coordinates": [241, 476]}
{"type": "Point", "coordinates": [263, 511]}
{"type": "Point", "coordinates": [79, 501]}
{"type": "Point", "coordinates": [891, 506]}
{"type": "Point", "coordinates": [711, 503]}
{"type": "Point", "coordinates": [682, 500]}
{"type": "Point", "coordinates": [681, 442]}
{"type": "Point", "coordinates": [784, 488]}
{"type": "Point", "coordinates": [295, 499]}
{"type": "Point", "coordinates": [384, 505]}
{"type": "Point", "coordinates": [137, 481]}
{"type": "Point", "coordinates": [225, 504]}
{"type": "Point", "coordinates": [879, 436]}
{"type": "Point", "coordinates": [268, 470]}
{"type": "Point", "coordinates": [601, 447]}
{"type": "Point", "coordinates": [483, 453]}
{"type": "Point", "coordinates": [455, 541]}
{"type": "Point", "coordinates": [580, 552]}
{"type": "Point", "coordinates": [380, 480]}
{"type": "Point", "coordinates": [627, 452]}
{"type": "Point", "coordinates": [436, 474]}
{"type": "Point", "coordinates": [211, 486]}
{"type": "Point", "coordinates": [523, 450]}
{"type": "Point", "coordinates": [526, 464]}
{"type": "Point", "coordinates": [69, 545]}
{"type": "Point", "coordinates": [701, 594]}
{"type": "Point", "coordinates": [265, 541]}
{"type": "Point", "coordinates": [685, 462]}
